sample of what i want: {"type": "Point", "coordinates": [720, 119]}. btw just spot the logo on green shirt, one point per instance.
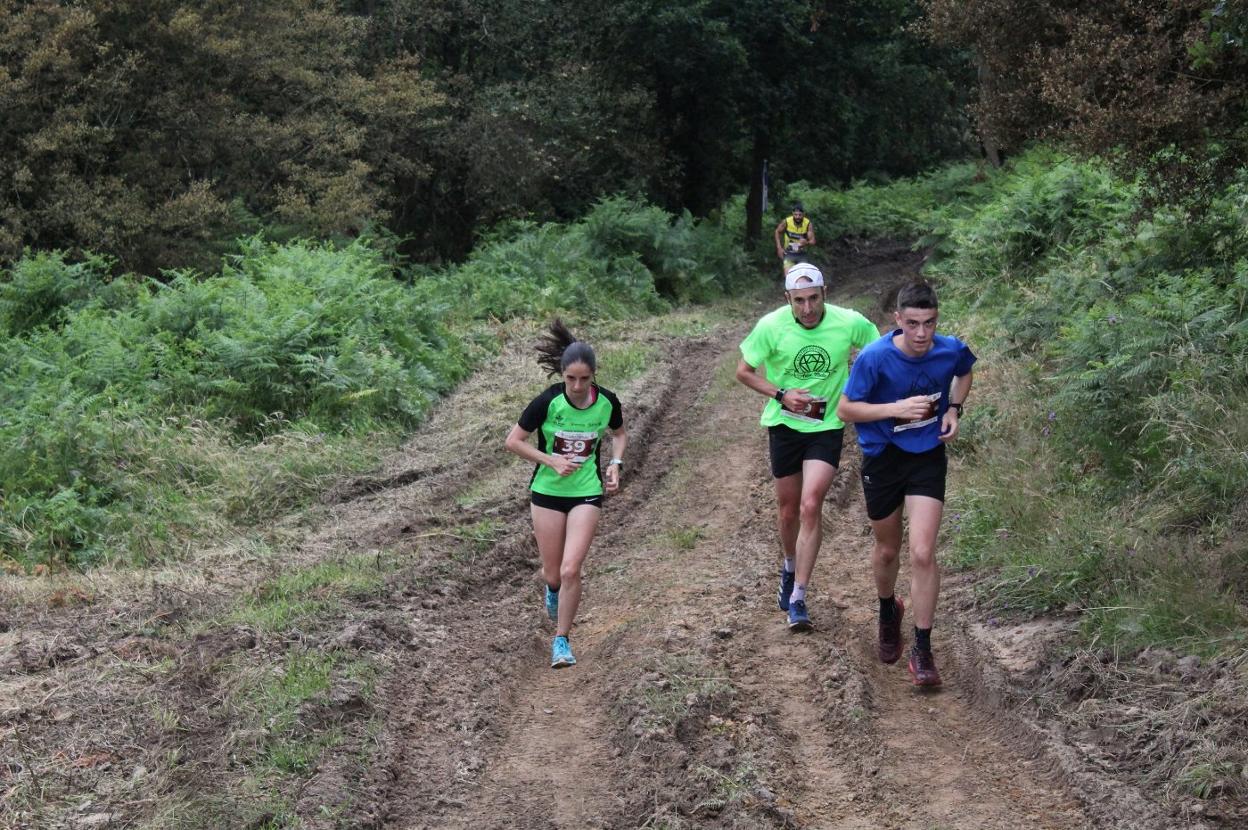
{"type": "Point", "coordinates": [812, 361]}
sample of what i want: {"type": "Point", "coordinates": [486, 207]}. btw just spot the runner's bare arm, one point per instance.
{"type": "Point", "coordinates": [957, 394]}
{"type": "Point", "coordinates": [619, 441]}
{"type": "Point", "coordinates": [794, 399]}
{"type": "Point", "coordinates": [779, 244]}
{"type": "Point", "coordinates": [858, 412]}
{"type": "Point", "coordinates": [810, 236]}
{"type": "Point", "coordinates": [518, 442]}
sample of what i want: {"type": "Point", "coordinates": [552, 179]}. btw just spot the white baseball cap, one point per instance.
{"type": "Point", "coordinates": [803, 270]}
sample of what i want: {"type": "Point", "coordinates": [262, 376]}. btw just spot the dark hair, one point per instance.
{"type": "Point", "coordinates": [798, 206]}
{"type": "Point", "coordinates": [558, 349]}
{"type": "Point", "coordinates": [918, 294]}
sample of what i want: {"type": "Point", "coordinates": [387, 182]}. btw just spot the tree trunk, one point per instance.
{"type": "Point", "coordinates": [986, 138]}
{"type": "Point", "coordinates": [754, 202]}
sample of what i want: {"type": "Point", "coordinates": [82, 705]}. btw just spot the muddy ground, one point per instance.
{"type": "Point", "coordinates": [692, 705]}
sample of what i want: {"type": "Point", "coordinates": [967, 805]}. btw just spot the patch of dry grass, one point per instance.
{"type": "Point", "coordinates": [1177, 725]}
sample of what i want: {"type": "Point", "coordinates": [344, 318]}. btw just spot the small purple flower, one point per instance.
{"type": "Point", "coordinates": [1129, 551]}
{"type": "Point", "coordinates": [993, 622]}
{"type": "Point", "coordinates": [1046, 432]}
{"type": "Point", "coordinates": [1052, 416]}
{"type": "Point", "coordinates": [1112, 319]}
{"type": "Point", "coordinates": [1032, 571]}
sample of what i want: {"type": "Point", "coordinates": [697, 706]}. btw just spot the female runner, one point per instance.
{"type": "Point", "coordinates": [570, 419]}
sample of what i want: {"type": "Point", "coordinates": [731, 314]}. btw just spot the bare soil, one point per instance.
{"type": "Point", "coordinates": [691, 705]}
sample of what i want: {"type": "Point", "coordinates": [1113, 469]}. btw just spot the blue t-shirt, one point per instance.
{"type": "Point", "coordinates": [884, 373]}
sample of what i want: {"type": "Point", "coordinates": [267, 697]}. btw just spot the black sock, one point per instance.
{"type": "Point", "coordinates": [888, 608]}
{"type": "Point", "coordinates": [923, 638]}
{"type": "Point", "coordinates": [554, 589]}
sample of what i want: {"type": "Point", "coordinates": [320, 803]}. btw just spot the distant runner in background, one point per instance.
{"type": "Point", "coordinates": [905, 393]}
{"type": "Point", "coordinates": [793, 236]}
{"type": "Point", "coordinates": [804, 347]}
{"type": "Point", "coordinates": [570, 419]}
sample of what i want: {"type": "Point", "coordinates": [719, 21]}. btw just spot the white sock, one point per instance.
{"type": "Point", "coordinates": [789, 565]}
{"type": "Point", "coordinates": [799, 594]}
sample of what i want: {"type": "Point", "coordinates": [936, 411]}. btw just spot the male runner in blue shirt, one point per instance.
{"type": "Point", "coordinates": [905, 393]}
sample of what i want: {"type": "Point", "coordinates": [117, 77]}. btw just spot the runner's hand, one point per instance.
{"type": "Point", "coordinates": [913, 409]}
{"type": "Point", "coordinates": [563, 465]}
{"type": "Point", "coordinates": [613, 478]}
{"type": "Point", "coordinates": [799, 398]}
{"type": "Point", "coordinates": [949, 425]}
{"type": "Point", "coordinates": [779, 253]}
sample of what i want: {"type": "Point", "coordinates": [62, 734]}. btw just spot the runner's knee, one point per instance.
{"type": "Point", "coordinates": [886, 553]}
{"type": "Point", "coordinates": [922, 556]}
{"type": "Point", "coordinates": [812, 509]}
{"type": "Point", "coordinates": [569, 573]}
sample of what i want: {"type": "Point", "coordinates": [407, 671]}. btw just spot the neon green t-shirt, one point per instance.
{"type": "Point", "coordinates": [576, 433]}
{"type": "Point", "coordinates": [816, 360]}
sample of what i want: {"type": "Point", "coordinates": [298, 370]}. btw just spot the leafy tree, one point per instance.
{"type": "Point", "coordinates": [151, 129]}
{"type": "Point", "coordinates": [531, 128]}
{"type": "Point", "coordinates": [1136, 75]}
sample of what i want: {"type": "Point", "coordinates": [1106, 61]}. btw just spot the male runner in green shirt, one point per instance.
{"type": "Point", "coordinates": [804, 348]}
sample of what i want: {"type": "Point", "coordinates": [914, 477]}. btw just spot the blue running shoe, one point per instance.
{"type": "Point", "coordinates": [552, 604]}
{"type": "Point", "coordinates": [561, 654]}
{"type": "Point", "coordinates": [786, 587]}
{"type": "Point", "coordinates": [799, 620]}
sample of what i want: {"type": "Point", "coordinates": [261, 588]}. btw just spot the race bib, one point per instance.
{"type": "Point", "coordinates": [929, 417]}
{"type": "Point", "coordinates": [813, 413]}
{"type": "Point", "coordinates": [575, 446]}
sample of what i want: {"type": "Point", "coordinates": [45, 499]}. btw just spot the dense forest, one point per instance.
{"type": "Point", "coordinates": [158, 131]}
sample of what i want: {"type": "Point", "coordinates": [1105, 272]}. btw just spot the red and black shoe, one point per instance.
{"type": "Point", "coordinates": [923, 668]}
{"type": "Point", "coordinates": [890, 634]}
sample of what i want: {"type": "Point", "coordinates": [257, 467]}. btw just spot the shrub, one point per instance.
{"type": "Point", "coordinates": [42, 288]}
{"type": "Point", "coordinates": [201, 401]}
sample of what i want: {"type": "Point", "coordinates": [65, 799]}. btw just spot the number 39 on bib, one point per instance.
{"type": "Point", "coordinates": [575, 446]}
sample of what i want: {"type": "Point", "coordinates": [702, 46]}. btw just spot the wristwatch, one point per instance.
{"type": "Point", "coordinates": [779, 396]}
{"type": "Point", "coordinates": [619, 462]}
{"type": "Point", "coordinates": [956, 407]}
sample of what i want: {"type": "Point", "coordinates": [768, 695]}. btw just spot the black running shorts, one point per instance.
{"type": "Point", "coordinates": [892, 475]}
{"type": "Point", "coordinates": [789, 448]}
{"type": "Point", "coordinates": [564, 504]}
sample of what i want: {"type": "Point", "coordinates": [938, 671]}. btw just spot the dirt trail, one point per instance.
{"type": "Point", "coordinates": [692, 704]}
